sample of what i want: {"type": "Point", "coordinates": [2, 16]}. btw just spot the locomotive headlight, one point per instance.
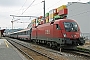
{"type": "Point", "coordinates": [64, 35]}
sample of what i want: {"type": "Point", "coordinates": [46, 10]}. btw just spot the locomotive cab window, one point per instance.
{"type": "Point", "coordinates": [57, 27]}
{"type": "Point", "coordinates": [71, 26]}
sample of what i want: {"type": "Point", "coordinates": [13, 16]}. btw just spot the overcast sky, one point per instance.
{"type": "Point", "coordinates": [18, 7]}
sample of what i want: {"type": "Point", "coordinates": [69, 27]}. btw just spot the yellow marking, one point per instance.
{"type": "Point", "coordinates": [6, 43]}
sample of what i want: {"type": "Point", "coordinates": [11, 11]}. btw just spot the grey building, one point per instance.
{"type": "Point", "coordinates": [81, 13]}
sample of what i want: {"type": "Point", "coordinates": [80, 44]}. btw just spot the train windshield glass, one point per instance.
{"type": "Point", "coordinates": [71, 26]}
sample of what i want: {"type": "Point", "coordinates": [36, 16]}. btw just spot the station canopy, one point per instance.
{"type": "Point", "coordinates": [2, 31]}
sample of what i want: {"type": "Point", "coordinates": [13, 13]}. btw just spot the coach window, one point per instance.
{"type": "Point", "coordinates": [25, 33]}
{"type": "Point", "coordinates": [57, 27]}
{"type": "Point", "coordinates": [19, 33]}
{"type": "Point", "coordinates": [28, 32]}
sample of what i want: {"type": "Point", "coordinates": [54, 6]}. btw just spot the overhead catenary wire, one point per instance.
{"type": "Point", "coordinates": [36, 4]}
{"type": "Point", "coordinates": [53, 4]}
{"type": "Point", "coordinates": [23, 22]}
{"type": "Point", "coordinates": [22, 5]}
{"type": "Point", "coordinates": [38, 10]}
{"type": "Point", "coordinates": [49, 7]}
{"type": "Point", "coordinates": [28, 7]}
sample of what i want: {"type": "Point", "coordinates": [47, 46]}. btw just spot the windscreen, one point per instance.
{"type": "Point", "coordinates": [71, 26]}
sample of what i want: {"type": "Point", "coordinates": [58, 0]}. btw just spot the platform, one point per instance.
{"type": "Point", "coordinates": [8, 52]}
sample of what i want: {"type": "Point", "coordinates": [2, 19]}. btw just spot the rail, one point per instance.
{"type": "Point", "coordinates": [50, 58]}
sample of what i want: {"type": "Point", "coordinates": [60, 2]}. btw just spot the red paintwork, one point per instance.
{"type": "Point", "coordinates": [33, 33]}
{"type": "Point", "coordinates": [42, 30]}
{"type": "Point", "coordinates": [70, 33]}
{"type": "Point", "coordinates": [63, 11]}
{"type": "Point", "coordinates": [49, 30]}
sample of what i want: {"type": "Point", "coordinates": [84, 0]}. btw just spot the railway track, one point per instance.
{"type": "Point", "coordinates": [30, 53]}
{"type": "Point", "coordinates": [79, 52]}
{"type": "Point", "coordinates": [84, 53]}
{"type": "Point", "coordinates": [56, 55]}
{"type": "Point", "coordinates": [40, 53]}
{"type": "Point", "coordinates": [20, 49]}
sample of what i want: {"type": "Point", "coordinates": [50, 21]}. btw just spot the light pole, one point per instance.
{"type": "Point", "coordinates": [14, 21]}
{"type": "Point", "coordinates": [44, 8]}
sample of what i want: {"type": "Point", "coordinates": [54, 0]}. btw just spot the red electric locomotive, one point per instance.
{"type": "Point", "coordinates": [58, 33]}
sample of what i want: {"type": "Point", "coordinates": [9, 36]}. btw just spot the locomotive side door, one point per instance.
{"type": "Point", "coordinates": [57, 32]}
{"type": "Point", "coordinates": [57, 29]}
